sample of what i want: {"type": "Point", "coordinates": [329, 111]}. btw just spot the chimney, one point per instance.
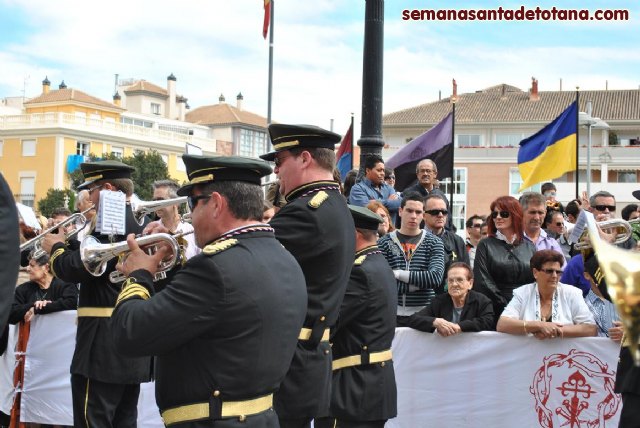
{"type": "Point", "coordinates": [117, 99]}
{"type": "Point", "coordinates": [503, 91]}
{"type": "Point", "coordinates": [439, 95]}
{"type": "Point", "coordinates": [239, 99]}
{"type": "Point", "coordinates": [534, 95]}
{"type": "Point", "coordinates": [221, 99]}
{"type": "Point", "coordinates": [606, 85]}
{"type": "Point", "coordinates": [46, 85]}
{"type": "Point", "coordinates": [454, 97]}
{"type": "Point", "coordinates": [182, 107]}
{"type": "Point", "coordinates": [561, 84]}
{"type": "Point", "coordinates": [62, 85]}
{"type": "Point", "coordinates": [172, 107]}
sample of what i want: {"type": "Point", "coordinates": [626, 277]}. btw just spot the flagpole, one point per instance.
{"type": "Point", "coordinates": [271, 6]}
{"type": "Point", "coordinates": [578, 141]}
{"type": "Point", "coordinates": [453, 156]}
{"type": "Point", "coordinates": [352, 153]}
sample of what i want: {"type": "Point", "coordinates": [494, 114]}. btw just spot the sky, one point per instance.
{"type": "Point", "coordinates": [216, 47]}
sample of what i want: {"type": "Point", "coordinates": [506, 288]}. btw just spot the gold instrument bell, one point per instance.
{"type": "Point", "coordinates": [621, 270]}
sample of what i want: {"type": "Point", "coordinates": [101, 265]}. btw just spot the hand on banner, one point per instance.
{"type": "Point", "coordinates": [30, 313]}
{"type": "Point", "coordinates": [545, 330]}
{"type": "Point", "coordinates": [446, 328]}
{"type": "Point", "coordinates": [39, 304]}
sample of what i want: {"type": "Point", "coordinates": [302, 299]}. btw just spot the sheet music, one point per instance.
{"type": "Point", "coordinates": [111, 214]}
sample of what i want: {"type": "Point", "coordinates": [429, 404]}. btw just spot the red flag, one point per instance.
{"type": "Point", "coordinates": [267, 18]}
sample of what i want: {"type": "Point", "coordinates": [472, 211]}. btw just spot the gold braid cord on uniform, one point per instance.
{"type": "Point", "coordinates": [131, 289]}
{"type": "Point", "coordinates": [55, 255]}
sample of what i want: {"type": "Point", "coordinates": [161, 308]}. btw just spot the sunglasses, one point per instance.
{"type": "Point", "coordinates": [503, 214]}
{"type": "Point", "coordinates": [551, 271]}
{"type": "Point", "coordinates": [611, 208]}
{"type": "Point", "coordinates": [192, 201]}
{"type": "Point", "coordinates": [559, 224]}
{"type": "Point", "coordinates": [279, 159]}
{"type": "Point", "coordinates": [436, 212]}
{"type": "Point", "coordinates": [93, 189]}
{"type": "Point", "coordinates": [477, 226]}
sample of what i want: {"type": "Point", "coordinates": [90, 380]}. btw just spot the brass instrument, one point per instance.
{"type": "Point", "coordinates": [621, 269]}
{"type": "Point", "coordinates": [147, 207]}
{"type": "Point", "coordinates": [95, 255]}
{"type": "Point", "coordinates": [622, 228]}
{"type": "Point", "coordinates": [78, 219]}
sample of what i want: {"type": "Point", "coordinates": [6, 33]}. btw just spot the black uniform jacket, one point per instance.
{"type": "Point", "coordinates": [228, 321]}
{"type": "Point", "coordinates": [317, 228]}
{"type": "Point", "coordinates": [9, 250]}
{"type": "Point", "coordinates": [63, 297]}
{"type": "Point", "coordinates": [367, 319]}
{"type": "Point", "coordinates": [627, 375]}
{"type": "Point", "coordinates": [499, 268]}
{"type": "Point", "coordinates": [95, 355]}
{"type": "Point", "coordinates": [477, 313]}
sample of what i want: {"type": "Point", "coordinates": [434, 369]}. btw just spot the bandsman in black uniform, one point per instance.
{"type": "Point", "coordinates": [9, 251]}
{"type": "Point", "coordinates": [364, 386]}
{"type": "Point", "coordinates": [225, 328]}
{"type": "Point", "coordinates": [104, 384]}
{"type": "Point", "coordinates": [316, 227]}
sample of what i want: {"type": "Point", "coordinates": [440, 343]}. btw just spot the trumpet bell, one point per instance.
{"type": "Point", "coordinates": [621, 269]}
{"type": "Point", "coordinates": [92, 257]}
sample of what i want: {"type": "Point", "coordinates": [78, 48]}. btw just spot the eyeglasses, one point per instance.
{"type": "Point", "coordinates": [611, 208]}
{"type": "Point", "coordinates": [502, 214]}
{"type": "Point", "coordinates": [459, 280]}
{"type": "Point", "coordinates": [436, 212]}
{"type": "Point", "coordinates": [278, 160]}
{"type": "Point", "coordinates": [192, 201]}
{"type": "Point", "coordinates": [549, 194]}
{"type": "Point", "coordinates": [551, 271]}
{"type": "Point", "coordinates": [477, 226]}
{"type": "Point", "coordinates": [95, 188]}
{"type": "Point", "coordinates": [426, 171]}
{"type": "Point", "coordinates": [559, 224]}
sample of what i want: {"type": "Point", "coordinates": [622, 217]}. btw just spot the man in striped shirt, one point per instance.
{"type": "Point", "coordinates": [416, 257]}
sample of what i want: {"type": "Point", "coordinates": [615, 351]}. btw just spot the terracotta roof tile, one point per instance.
{"type": "Point", "coordinates": [70, 94]}
{"type": "Point", "coordinates": [143, 85]}
{"type": "Point", "coordinates": [491, 105]}
{"type": "Point", "coordinates": [224, 114]}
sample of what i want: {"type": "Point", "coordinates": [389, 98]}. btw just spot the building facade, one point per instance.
{"type": "Point", "coordinates": [490, 123]}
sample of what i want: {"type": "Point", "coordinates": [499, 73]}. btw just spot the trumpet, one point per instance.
{"type": "Point", "coordinates": [622, 228]}
{"type": "Point", "coordinates": [78, 219]}
{"type": "Point", "coordinates": [95, 255]}
{"type": "Point", "coordinates": [147, 207]}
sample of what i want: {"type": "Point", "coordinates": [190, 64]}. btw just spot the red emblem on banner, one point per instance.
{"type": "Point", "coordinates": [574, 390]}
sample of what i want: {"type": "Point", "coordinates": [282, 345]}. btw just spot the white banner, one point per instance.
{"type": "Point", "coordinates": [497, 380]}
{"type": "Point", "coordinates": [471, 380]}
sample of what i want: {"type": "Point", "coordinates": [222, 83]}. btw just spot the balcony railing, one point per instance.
{"type": "Point", "coordinates": [27, 199]}
{"type": "Point", "coordinates": [151, 136]}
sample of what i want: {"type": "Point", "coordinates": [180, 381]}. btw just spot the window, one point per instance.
{"type": "Point", "coordinates": [508, 140]}
{"type": "Point", "coordinates": [137, 122]}
{"type": "Point", "coordinates": [252, 143]}
{"type": "Point", "coordinates": [82, 148]}
{"type": "Point", "coordinates": [468, 140]}
{"type": "Point", "coordinates": [155, 108]}
{"type": "Point", "coordinates": [28, 147]}
{"type": "Point", "coordinates": [515, 181]}
{"type": "Point", "coordinates": [27, 190]}
{"type": "Point", "coordinates": [459, 196]}
{"type": "Point", "coordinates": [117, 152]}
{"type": "Point", "coordinates": [627, 177]}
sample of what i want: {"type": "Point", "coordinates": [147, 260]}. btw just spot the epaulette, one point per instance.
{"type": "Point", "coordinates": [130, 288]}
{"type": "Point", "coordinates": [218, 247]}
{"type": "Point", "coordinates": [358, 261]}
{"type": "Point", "coordinates": [53, 258]}
{"type": "Point", "coordinates": [318, 199]}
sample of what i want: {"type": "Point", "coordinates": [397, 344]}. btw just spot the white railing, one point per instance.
{"type": "Point", "coordinates": [104, 127]}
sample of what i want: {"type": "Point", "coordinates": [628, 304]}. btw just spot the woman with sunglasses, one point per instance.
{"type": "Point", "coordinates": [502, 259]}
{"type": "Point", "coordinates": [547, 308]}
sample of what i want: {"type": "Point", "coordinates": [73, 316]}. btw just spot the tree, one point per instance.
{"type": "Point", "coordinates": [55, 199]}
{"type": "Point", "coordinates": [149, 168]}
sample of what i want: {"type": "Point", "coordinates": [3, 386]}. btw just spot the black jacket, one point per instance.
{"type": "Point", "coordinates": [9, 250]}
{"type": "Point", "coordinates": [63, 297]}
{"type": "Point", "coordinates": [477, 313]}
{"type": "Point", "coordinates": [95, 356]}
{"type": "Point", "coordinates": [366, 324]}
{"type": "Point", "coordinates": [228, 321]}
{"type": "Point", "coordinates": [317, 228]}
{"type": "Point", "coordinates": [499, 268]}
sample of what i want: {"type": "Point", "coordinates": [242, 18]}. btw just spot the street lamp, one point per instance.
{"type": "Point", "coordinates": [591, 123]}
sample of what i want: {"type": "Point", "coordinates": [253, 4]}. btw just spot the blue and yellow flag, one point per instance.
{"type": "Point", "coordinates": [551, 151]}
